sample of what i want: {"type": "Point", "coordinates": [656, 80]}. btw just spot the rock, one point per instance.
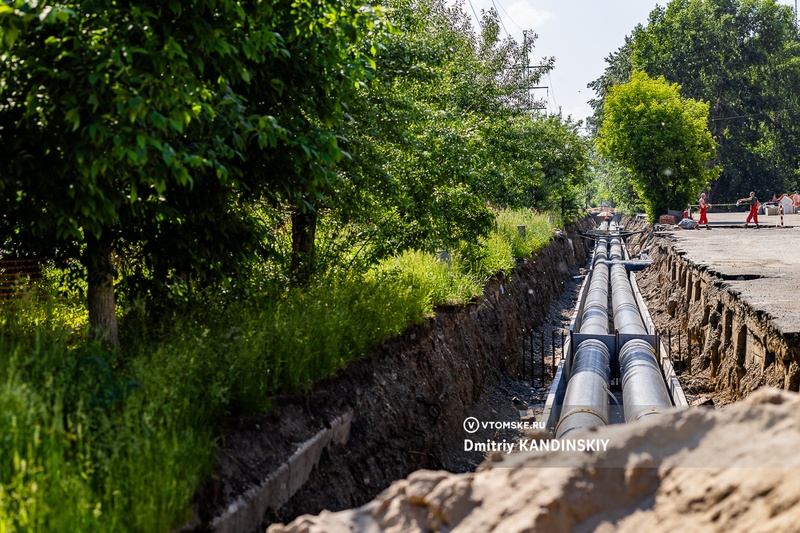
{"type": "Point", "coordinates": [703, 401]}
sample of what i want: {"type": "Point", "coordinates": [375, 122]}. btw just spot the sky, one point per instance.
{"type": "Point", "coordinates": [580, 34]}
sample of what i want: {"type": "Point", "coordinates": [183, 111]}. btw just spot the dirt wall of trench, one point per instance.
{"type": "Point", "coordinates": [734, 347]}
{"type": "Point", "coordinates": [407, 399]}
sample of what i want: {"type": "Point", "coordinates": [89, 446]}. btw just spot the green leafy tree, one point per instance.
{"type": "Point", "coordinates": [444, 123]}
{"type": "Point", "coordinates": [129, 129]}
{"type": "Point", "coordinates": [741, 56]}
{"type": "Point", "coordinates": [611, 183]}
{"type": "Point", "coordinates": [661, 138]}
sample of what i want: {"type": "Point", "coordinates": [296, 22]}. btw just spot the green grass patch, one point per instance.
{"type": "Point", "coordinates": [92, 440]}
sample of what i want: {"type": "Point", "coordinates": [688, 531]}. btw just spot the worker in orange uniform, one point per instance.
{"type": "Point", "coordinates": [703, 205]}
{"type": "Point", "coordinates": [752, 201]}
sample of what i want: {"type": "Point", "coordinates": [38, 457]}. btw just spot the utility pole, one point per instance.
{"type": "Point", "coordinates": [526, 72]}
{"type": "Point", "coordinates": [525, 66]}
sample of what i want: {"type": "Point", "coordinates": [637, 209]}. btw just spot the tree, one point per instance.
{"type": "Point", "coordinates": [661, 138]}
{"type": "Point", "coordinates": [609, 182]}
{"type": "Point", "coordinates": [741, 56]}
{"type": "Point", "coordinates": [443, 125]}
{"type": "Point", "coordinates": [126, 128]}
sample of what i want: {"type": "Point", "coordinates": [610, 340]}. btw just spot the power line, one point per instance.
{"type": "Point", "coordinates": [500, 18]}
{"type": "Point", "coordinates": [477, 20]}
{"type": "Point", "coordinates": [509, 16]}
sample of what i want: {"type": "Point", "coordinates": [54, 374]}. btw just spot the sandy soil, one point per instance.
{"type": "Point", "coordinates": [689, 470]}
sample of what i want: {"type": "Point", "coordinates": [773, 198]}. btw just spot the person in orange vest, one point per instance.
{"type": "Point", "coordinates": [703, 205]}
{"type": "Point", "coordinates": [752, 201]}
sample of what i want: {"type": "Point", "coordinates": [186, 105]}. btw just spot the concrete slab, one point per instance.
{"type": "Point", "coordinates": [762, 265]}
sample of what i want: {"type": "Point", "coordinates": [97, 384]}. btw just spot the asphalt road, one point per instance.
{"type": "Point", "coordinates": [770, 255]}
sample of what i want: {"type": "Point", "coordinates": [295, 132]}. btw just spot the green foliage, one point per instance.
{"type": "Point", "coordinates": [661, 138]}
{"type": "Point", "coordinates": [195, 154]}
{"type": "Point", "coordinates": [86, 446]}
{"type": "Point", "coordinates": [147, 128]}
{"type": "Point", "coordinates": [538, 231]}
{"type": "Point", "coordinates": [612, 184]}
{"type": "Point", "coordinates": [444, 127]}
{"type": "Point", "coordinates": [742, 57]}
{"type": "Point", "coordinates": [94, 441]}
{"type": "Point", "coordinates": [435, 281]}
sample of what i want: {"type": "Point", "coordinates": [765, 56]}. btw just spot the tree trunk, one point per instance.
{"type": "Point", "coordinates": [304, 228]}
{"type": "Point", "coordinates": [100, 294]}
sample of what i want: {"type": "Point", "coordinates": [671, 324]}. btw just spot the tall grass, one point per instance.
{"type": "Point", "coordinates": [92, 440]}
{"type": "Point", "coordinates": [538, 231]}
{"type": "Point", "coordinates": [85, 446]}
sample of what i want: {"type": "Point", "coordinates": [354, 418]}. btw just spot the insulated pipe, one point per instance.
{"type": "Point", "coordinates": [585, 400]}
{"type": "Point", "coordinates": [627, 318]}
{"type": "Point", "coordinates": [601, 251]}
{"type": "Point", "coordinates": [644, 392]}
{"type": "Point", "coordinates": [615, 249]}
{"type": "Point", "coordinates": [594, 318]}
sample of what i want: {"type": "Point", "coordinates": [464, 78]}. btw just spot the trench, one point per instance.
{"type": "Point", "coordinates": [399, 410]}
{"type": "Point", "coordinates": [724, 348]}
{"type": "Point", "coordinates": [402, 408]}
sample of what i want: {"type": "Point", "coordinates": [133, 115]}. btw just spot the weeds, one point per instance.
{"type": "Point", "coordinates": [92, 440]}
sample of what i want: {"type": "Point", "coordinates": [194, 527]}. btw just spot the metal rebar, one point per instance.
{"type": "Point", "coordinates": [542, 358]}
{"type": "Point", "coordinates": [523, 356]}
{"type": "Point", "coordinates": [530, 345]}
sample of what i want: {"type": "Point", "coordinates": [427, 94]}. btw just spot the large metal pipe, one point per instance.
{"type": "Point", "coordinates": [600, 251]}
{"type": "Point", "coordinates": [586, 399]}
{"type": "Point", "coordinates": [627, 318]}
{"type": "Point", "coordinates": [594, 317]}
{"type": "Point", "coordinates": [644, 392]}
{"type": "Point", "coordinates": [615, 249]}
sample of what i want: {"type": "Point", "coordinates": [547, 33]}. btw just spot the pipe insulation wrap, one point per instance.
{"type": "Point", "coordinates": [594, 318]}
{"type": "Point", "coordinates": [586, 400]}
{"type": "Point", "coordinates": [601, 251]}
{"type": "Point", "coordinates": [627, 318]}
{"type": "Point", "coordinates": [643, 389]}
{"type": "Point", "coordinates": [615, 249]}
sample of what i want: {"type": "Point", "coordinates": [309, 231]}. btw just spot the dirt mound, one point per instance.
{"type": "Point", "coordinates": [693, 470]}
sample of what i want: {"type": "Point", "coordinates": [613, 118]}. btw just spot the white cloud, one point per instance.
{"type": "Point", "coordinates": [526, 16]}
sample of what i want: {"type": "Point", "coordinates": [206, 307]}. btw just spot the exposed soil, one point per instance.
{"type": "Point", "coordinates": [409, 398]}
{"type": "Point", "coordinates": [723, 347]}
{"type": "Point", "coordinates": [696, 470]}
{"type": "Point", "coordinates": [691, 469]}
{"type": "Point", "coordinates": [497, 400]}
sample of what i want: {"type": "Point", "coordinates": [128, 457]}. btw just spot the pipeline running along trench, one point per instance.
{"type": "Point", "coordinates": [610, 375]}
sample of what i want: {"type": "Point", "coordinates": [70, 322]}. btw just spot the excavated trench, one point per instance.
{"type": "Point", "coordinates": [723, 347]}
{"type": "Point", "coordinates": [402, 408]}
{"type": "Point", "coordinates": [394, 412]}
